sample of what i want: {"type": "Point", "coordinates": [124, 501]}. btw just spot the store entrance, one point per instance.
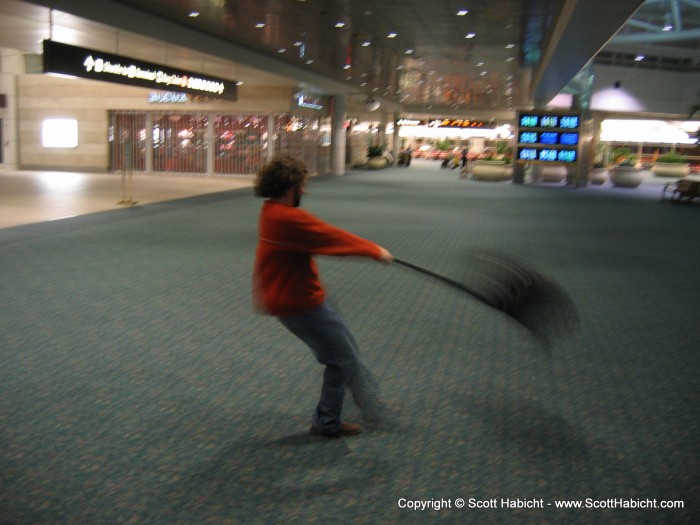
{"type": "Point", "coordinates": [214, 144]}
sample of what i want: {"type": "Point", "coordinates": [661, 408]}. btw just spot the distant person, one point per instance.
{"type": "Point", "coordinates": [409, 155]}
{"type": "Point", "coordinates": [464, 158]}
{"type": "Point", "coordinates": [286, 284]}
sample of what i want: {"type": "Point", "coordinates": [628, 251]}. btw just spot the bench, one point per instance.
{"type": "Point", "coordinates": [682, 190]}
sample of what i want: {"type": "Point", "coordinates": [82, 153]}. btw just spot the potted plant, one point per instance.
{"type": "Point", "coordinates": [376, 157]}
{"type": "Point", "coordinates": [671, 164]}
{"type": "Point", "coordinates": [493, 167]}
{"type": "Point", "coordinates": [626, 173]}
{"type": "Point", "coordinates": [598, 173]}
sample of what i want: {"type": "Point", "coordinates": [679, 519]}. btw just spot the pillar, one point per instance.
{"type": "Point", "coordinates": [338, 138]}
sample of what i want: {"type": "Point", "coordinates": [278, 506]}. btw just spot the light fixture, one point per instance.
{"type": "Point", "coordinates": [639, 58]}
{"type": "Point", "coordinates": [339, 24]}
{"type": "Point", "coordinates": [392, 35]}
{"type": "Point", "coordinates": [510, 46]}
{"type": "Point", "coordinates": [409, 51]}
{"type": "Point", "coordinates": [462, 12]}
{"type": "Point", "coordinates": [366, 43]}
{"type": "Point", "coordinates": [259, 25]}
{"type": "Point", "coordinates": [193, 14]}
{"type": "Point", "coordinates": [470, 35]}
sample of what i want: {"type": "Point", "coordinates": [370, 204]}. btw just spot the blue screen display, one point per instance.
{"type": "Point", "coordinates": [569, 122]}
{"type": "Point", "coordinates": [549, 138]}
{"type": "Point", "coordinates": [528, 121]}
{"type": "Point", "coordinates": [549, 121]}
{"type": "Point", "coordinates": [566, 155]}
{"type": "Point", "coordinates": [570, 139]}
{"type": "Point", "coordinates": [527, 154]}
{"type": "Point", "coordinates": [528, 137]}
{"type": "Point", "coordinates": [548, 155]}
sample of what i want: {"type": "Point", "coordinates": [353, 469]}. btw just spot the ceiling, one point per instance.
{"type": "Point", "coordinates": [418, 57]}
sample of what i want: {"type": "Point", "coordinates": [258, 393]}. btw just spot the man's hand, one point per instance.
{"type": "Point", "coordinates": [385, 256]}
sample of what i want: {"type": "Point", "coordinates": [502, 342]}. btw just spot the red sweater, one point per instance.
{"type": "Point", "coordinates": [285, 276]}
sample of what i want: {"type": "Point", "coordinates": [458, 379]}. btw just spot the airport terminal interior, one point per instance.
{"type": "Point", "coordinates": [508, 149]}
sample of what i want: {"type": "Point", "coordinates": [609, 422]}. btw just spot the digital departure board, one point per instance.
{"type": "Point", "coordinates": [548, 137]}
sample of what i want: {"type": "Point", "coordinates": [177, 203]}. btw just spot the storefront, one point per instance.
{"type": "Point", "coordinates": [80, 124]}
{"type": "Point", "coordinates": [213, 143]}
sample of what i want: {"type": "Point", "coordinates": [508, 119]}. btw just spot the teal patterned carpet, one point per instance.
{"type": "Point", "coordinates": [137, 386]}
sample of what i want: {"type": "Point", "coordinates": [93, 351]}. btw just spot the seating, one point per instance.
{"type": "Point", "coordinates": [682, 190]}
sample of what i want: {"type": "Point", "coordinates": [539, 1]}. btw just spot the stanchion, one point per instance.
{"type": "Point", "coordinates": [127, 189]}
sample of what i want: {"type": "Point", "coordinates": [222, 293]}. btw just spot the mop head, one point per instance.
{"type": "Point", "coordinates": [525, 294]}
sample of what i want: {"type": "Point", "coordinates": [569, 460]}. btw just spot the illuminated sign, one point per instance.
{"type": "Point", "coordinates": [307, 102]}
{"type": "Point", "coordinates": [97, 65]}
{"type": "Point", "coordinates": [59, 133]}
{"type": "Point", "coordinates": [457, 123]}
{"type": "Point", "coordinates": [167, 98]}
{"type": "Point", "coordinates": [408, 122]}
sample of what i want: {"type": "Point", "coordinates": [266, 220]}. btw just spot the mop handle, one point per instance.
{"type": "Point", "coordinates": [447, 280]}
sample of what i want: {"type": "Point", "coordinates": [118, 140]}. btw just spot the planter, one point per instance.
{"type": "Point", "coordinates": [492, 170]}
{"type": "Point", "coordinates": [671, 169]}
{"type": "Point", "coordinates": [626, 176]}
{"type": "Point", "coordinates": [598, 176]}
{"type": "Point", "coordinates": [552, 173]}
{"type": "Point", "coordinates": [376, 163]}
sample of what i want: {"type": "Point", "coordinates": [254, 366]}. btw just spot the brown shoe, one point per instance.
{"type": "Point", "coordinates": [346, 429]}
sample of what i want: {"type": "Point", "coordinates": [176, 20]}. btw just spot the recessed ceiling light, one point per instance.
{"type": "Point", "coordinates": [510, 46]}
{"type": "Point", "coordinates": [340, 24]}
{"type": "Point", "coordinates": [347, 66]}
{"type": "Point", "coordinates": [260, 25]}
{"type": "Point", "coordinates": [639, 58]}
{"type": "Point", "coordinates": [392, 35]}
{"type": "Point", "coordinates": [366, 43]}
{"type": "Point", "coordinates": [309, 61]}
{"type": "Point", "coordinates": [298, 43]}
{"type": "Point", "coordinates": [193, 14]}
{"type": "Point", "coordinates": [239, 83]}
{"type": "Point", "coordinates": [281, 50]}
{"type": "Point", "coordinates": [462, 12]}
{"type": "Point", "coordinates": [470, 35]}
{"type": "Point", "coordinates": [409, 51]}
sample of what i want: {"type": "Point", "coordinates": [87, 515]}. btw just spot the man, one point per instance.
{"type": "Point", "coordinates": [286, 284]}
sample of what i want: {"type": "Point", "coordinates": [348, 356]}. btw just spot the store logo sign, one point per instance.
{"type": "Point", "coordinates": [96, 65]}
{"type": "Point", "coordinates": [168, 98]}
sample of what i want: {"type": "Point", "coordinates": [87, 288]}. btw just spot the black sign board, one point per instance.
{"type": "Point", "coordinates": [97, 65]}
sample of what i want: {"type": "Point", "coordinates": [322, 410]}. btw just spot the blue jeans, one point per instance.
{"type": "Point", "coordinates": [333, 345]}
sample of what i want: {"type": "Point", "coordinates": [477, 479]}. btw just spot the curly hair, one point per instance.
{"type": "Point", "coordinates": [278, 175]}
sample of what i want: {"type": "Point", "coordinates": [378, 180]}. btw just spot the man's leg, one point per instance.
{"type": "Point", "coordinates": [325, 334]}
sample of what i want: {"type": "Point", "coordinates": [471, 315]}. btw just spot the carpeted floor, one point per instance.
{"type": "Point", "coordinates": [138, 386]}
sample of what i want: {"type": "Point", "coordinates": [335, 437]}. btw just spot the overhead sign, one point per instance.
{"type": "Point", "coordinates": [98, 65]}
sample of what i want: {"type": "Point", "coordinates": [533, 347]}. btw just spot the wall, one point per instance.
{"type": "Point", "coordinates": [43, 96]}
{"type": "Point", "coordinates": [644, 90]}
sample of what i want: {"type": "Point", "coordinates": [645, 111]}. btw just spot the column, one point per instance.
{"type": "Point", "coordinates": [338, 138]}
{"type": "Point", "coordinates": [271, 142]}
